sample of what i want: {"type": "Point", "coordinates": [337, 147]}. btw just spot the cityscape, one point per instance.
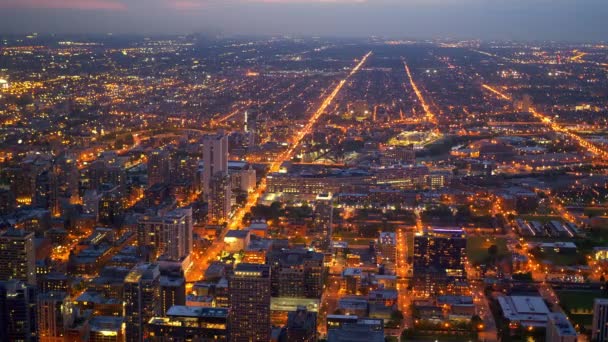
{"type": "Point", "coordinates": [198, 187]}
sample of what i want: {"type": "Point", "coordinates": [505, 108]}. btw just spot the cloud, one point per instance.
{"type": "Point", "coordinates": [112, 5]}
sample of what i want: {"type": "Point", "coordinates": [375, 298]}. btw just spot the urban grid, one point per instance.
{"type": "Point", "coordinates": [202, 187]}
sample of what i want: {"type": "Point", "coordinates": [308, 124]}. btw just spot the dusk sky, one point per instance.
{"type": "Point", "coordinates": [487, 19]}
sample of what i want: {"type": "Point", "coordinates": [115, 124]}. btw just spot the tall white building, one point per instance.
{"type": "Point", "coordinates": [169, 235]}
{"type": "Point", "coordinates": [179, 223]}
{"type": "Point", "coordinates": [220, 194]}
{"type": "Point", "coordinates": [599, 330]}
{"type": "Point", "coordinates": [215, 158]}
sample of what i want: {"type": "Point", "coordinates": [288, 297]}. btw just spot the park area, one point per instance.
{"type": "Point", "coordinates": [478, 248]}
{"type": "Point", "coordinates": [579, 304]}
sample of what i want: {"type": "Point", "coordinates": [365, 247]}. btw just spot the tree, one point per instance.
{"type": "Point", "coordinates": [476, 321]}
{"type": "Point", "coordinates": [24, 100]}
{"type": "Point", "coordinates": [397, 315]}
{"type": "Point", "coordinates": [527, 277]}
{"type": "Point", "coordinates": [129, 140]}
{"type": "Point", "coordinates": [493, 250]}
{"type": "Point", "coordinates": [492, 253]}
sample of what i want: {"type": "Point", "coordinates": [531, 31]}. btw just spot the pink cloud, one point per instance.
{"type": "Point", "coordinates": [185, 5]}
{"type": "Point", "coordinates": [198, 4]}
{"type": "Point", "coordinates": [308, 1]}
{"type": "Point", "coordinates": [65, 4]}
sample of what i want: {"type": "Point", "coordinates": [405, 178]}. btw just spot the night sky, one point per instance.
{"type": "Point", "coordinates": [572, 20]}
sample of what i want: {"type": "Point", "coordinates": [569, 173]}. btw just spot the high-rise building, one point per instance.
{"type": "Point", "coordinates": [151, 232]}
{"type": "Point", "coordinates": [18, 312]}
{"type": "Point", "coordinates": [296, 273]}
{"type": "Point", "coordinates": [169, 235]}
{"type": "Point", "coordinates": [172, 285]}
{"type": "Point", "coordinates": [110, 206]}
{"type": "Point", "coordinates": [219, 198]}
{"type": "Point", "coordinates": [302, 325]}
{"type": "Point", "coordinates": [215, 158]}
{"type": "Point", "coordinates": [250, 303]}
{"type": "Point", "coordinates": [599, 329]}
{"type": "Point", "coordinates": [172, 292]}
{"type": "Point", "coordinates": [180, 222]}
{"type": "Point", "coordinates": [55, 315]}
{"type": "Point", "coordinates": [17, 256]}
{"type": "Point", "coordinates": [90, 203]}
{"type": "Point", "coordinates": [559, 328]}
{"type": "Point", "coordinates": [142, 299]}
{"type": "Point", "coordinates": [46, 191]}
{"type": "Point", "coordinates": [159, 166]}
{"type": "Point", "coordinates": [242, 176]}
{"type": "Point", "coordinates": [323, 216]}
{"type": "Point", "coordinates": [387, 243]}
{"type": "Point", "coordinates": [439, 259]}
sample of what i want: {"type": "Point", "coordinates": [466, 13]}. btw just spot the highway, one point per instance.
{"type": "Point", "coordinates": [430, 116]}
{"type": "Point", "coordinates": [403, 267]}
{"type": "Point", "coordinates": [235, 221]}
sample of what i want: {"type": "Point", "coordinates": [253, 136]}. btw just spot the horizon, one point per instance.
{"type": "Point", "coordinates": [537, 20]}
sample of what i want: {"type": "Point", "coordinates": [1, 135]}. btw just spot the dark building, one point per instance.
{"type": "Point", "coordinates": [18, 312]}
{"type": "Point", "coordinates": [159, 167]}
{"type": "Point", "coordinates": [250, 303]}
{"type": "Point", "coordinates": [296, 273]}
{"type": "Point", "coordinates": [302, 326]}
{"type": "Point", "coordinates": [439, 260]}
{"type": "Point", "coordinates": [142, 298]}
{"type": "Point", "coordinates": [172, 287]}
{"type": "Point", "coordinates": [341, 328]}
{"type": "Point", "coordinates": [17, 256]}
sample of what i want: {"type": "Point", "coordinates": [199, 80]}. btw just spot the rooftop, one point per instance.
{"type": "Point", "coordinates": [562, 324]}
{"type": "Point", "coordinates": [528, 310]}
{"type": "Point", "coordinates": [196, 311]}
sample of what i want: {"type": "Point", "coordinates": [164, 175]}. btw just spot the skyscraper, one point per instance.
{"type": "Point", "coordinates": [159, 166]}
{"type": "Point", "coordinates": [323, 215]}
{"type": "Point", "coordinates": [439, 259]}
{"type": "Point", "coordinates": [599, 330]}
{"type": "Point", "coordinates": [296, 273]}
{"type": "Point", "coordinates": [17, 312]}
{"type": "Point", "coordinates": [250, 303]}
{"type": "Point", "coordinates": [215, 158]}
{"type": "Point", "coordinates": [17, 256]}
{"type": "Point", "coordinates": [172, 285]}
{"type": "Point", "coordinates": [55, 315]}
{"type": "Point", "coordinates": [179, 222]}
{"type": "Point", "coordinates": [219, 199]}
{"type": "Point", "coordinates": [142, 299]}
{"type": "Point", "coordinates": [302, 325]}
{"type": "Point", "coordinates": [169, 235]}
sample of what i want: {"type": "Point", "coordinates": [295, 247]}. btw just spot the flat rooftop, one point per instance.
{"type": "Point", "coordinates": [196, 311]}
{"type": "Point", "coordinates": [528, 310]}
